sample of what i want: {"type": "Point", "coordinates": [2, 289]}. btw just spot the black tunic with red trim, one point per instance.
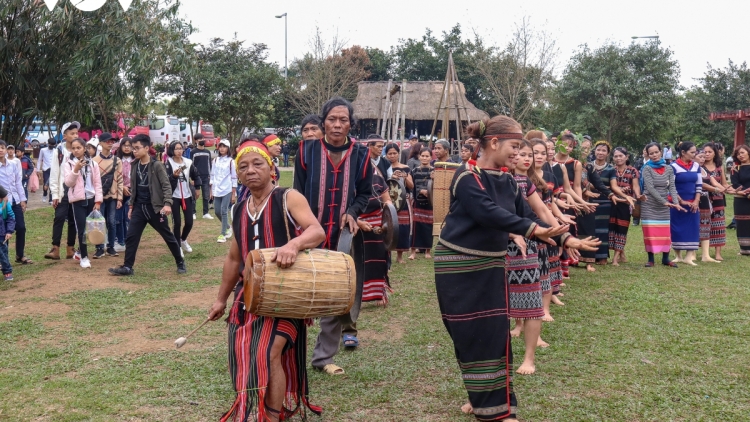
{"type": "Point", "coordinates": [251, 336]}
{"type": "Point", "coordinates": [332, 190]}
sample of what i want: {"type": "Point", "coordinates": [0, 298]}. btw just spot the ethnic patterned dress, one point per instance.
{"type": "Point", "coordinates": [685, 226]}
{"type": "Point", "coordinates": [619, 217]}
{"type": "Point", "coordinates": [740, 178]}
{"type": "Point", "coordinates": [718, 236]}
{"type": "Point", "coordinates": [422, 238]}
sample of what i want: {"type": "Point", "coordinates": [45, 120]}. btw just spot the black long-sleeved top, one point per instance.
{"type": "Point", "coordinates": [202, 163]}
{"type": "Point", "coordinates": [332, 190]}
{"type": "Point", "coordinates": [486, 205]}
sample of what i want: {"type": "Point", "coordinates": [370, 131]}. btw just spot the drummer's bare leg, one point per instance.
{"type": "Point", "coordinates": [427, 253]}
{"type": "Point", "coordinates": [276, 381]}
{"type": "Point", "coordinates": [400, 257]}
{"type": "Point", "coordinates": [413, 253]}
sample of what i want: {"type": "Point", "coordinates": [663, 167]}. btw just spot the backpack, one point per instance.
{"type": "Point", "coordinates": [109, 177]}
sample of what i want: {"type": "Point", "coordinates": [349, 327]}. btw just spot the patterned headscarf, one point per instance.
{"type": "Point", "coordinates": [253, 146]}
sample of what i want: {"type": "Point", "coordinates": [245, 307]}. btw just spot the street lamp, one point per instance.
{"type": "Point", "coordinates": [286, 69]}
{"type": "Point", "coordinates": [656, 37]}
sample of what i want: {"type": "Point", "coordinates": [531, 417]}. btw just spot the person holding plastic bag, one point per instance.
{"type": "Point", "coordinates": [84, 187]}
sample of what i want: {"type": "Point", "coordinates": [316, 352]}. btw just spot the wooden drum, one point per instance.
{"type": "Point", "coordinates": [320, 283]}
{"type": "Point", "coordinates": [441, 193]}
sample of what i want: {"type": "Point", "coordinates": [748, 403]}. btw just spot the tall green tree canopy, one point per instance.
{"type": "Point", "coordinates": [626, 95]}
{"type": "Point", "coordinates": [67, 64]}
{"type": "Point", "coordinates": [227, 83]}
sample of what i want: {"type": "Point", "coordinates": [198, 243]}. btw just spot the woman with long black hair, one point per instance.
{"type": "Point", "coordinates": [125, 154]}
{"type": "Point", "coordinates": [685, 227]}
{"type": "Point", "coordinates": [740, 188]}
{"type": "Point", "coordinates": [625, 184]}
{"type": "Point", "coordinates": [423, 218]}
{"type": "Point", "coordinates": [401, 172]}
{"type": "Point", "coordinates": [713, 166]}
{"type": "Point", "coordinates": [182, 176]}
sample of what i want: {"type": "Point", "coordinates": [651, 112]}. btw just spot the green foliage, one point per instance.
{"type": "Point", "coordinates": [68, 64]}
{"type": "Point", "coordinates": [381, 64]}
{"type": "Point", "coordinates": [226, 83]}
{"type": "Point", "coordinates": [626, 95]}
{"type": "Point", "coordinates": [726, 89]}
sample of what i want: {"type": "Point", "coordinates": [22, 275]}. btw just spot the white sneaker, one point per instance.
{"type": "Point", "coordinates": [229, 233]}
{"type": "Point", "coordinates": [119, 248]}
{"type": "Point", "coordinates": [77, 256]}
{"type": "Point", "coordinates": [186, 247]}
{"type": "Point", "coordinates": [44, 199]}
{"type": "Point", "coordinates": [208, 216]}
{"type": "Point", "coordinates": [195, 217]}
{"type": "Point", "coordinates": [221, 239]}
{"type": "Point", "coordinates": [85, 263]}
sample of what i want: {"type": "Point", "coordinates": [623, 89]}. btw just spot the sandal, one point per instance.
{"type": "Point", "coordinates": [332, 369]}
{"type": "Point", "coordinates": [24, 261]}
{"type": "Point", "coordinates": [350, 341]}
{"type": "Point", "coordinates": [649, 264]}
{"type": "Point", "coordinates": [670, 264]}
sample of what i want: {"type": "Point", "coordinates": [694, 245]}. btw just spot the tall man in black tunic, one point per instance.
{"type": "Point", "coordinates": [335, 175]}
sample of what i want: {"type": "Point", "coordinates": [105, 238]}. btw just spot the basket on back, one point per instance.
{"type": "Point", "coordinates": [320, 283]}
{"type": "Point", "coordinates": [441, 194]}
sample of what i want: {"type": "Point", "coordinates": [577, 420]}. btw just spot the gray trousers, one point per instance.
{"type": "Point", "coordinates": [328, 341]}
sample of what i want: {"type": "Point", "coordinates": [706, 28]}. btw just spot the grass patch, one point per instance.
{"type": "Point", "coordinates": [632, 343]}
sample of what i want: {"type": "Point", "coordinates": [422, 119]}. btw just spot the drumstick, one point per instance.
{"type": "Point", "coordinates": [182, 340]}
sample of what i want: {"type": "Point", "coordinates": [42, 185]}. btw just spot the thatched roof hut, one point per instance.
{"type": "Point", "coordinates": [420, 109]}
{"type": "Point", "coordinates": [422, 101]}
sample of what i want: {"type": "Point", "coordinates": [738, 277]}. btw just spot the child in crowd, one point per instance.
{"type": "Point", "coordinates": [7, 227]}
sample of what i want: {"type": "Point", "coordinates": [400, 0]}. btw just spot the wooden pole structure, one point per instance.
{"type": "Point", "coordinates": [386, 108]}
{"type": "Point", "coordinates": [402, 131]}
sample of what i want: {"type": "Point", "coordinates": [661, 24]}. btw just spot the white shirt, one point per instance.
{"type": "Point", "coordinates": [182, 190]}
{"type": "Point", "coordinates": [11, 177]}
{"type": "Point", "coordinates": [44, 162]}
{"type": "Point", "coordinates": [223, 176]}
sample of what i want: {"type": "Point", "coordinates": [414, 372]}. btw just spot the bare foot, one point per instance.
{"type": "Point", "coordinates": [709, 259]}
{"type": "Point", "coordinates": [677, 259]}
{"type": "Point", "coordinates": [541, 343]}
{"type": "Point", "coordinates": [427, 256]}
{"type": "Point", "coordinates": [719, 258]}
{"type": "Point", "coordinates": [590, 268]}
{"type": "Point", "coordinates": [565, 277]}
{"type": "Point", "coordinates": [563, 284]}
{"type": "Point", "coordinates": [690, 263]}
{"type": "Point", "coordinates": [412, 257]}
{"type": "Point", "coordinates": [526, 368]}
{"type": "Point", "coordinates": [400, 261]}
{"type": "Point", "coordinates": [509, 420]}
{"type": "Point", "coordinates": [623, 259]}
{"type": "Point", "coordinates": [548, 318]}
{"type": "Point", "coordinates": [467, 408]}
{"type": "Point", "coordinates": [561, 294]}
{"type": "Point", "coordinates": [557, 301]}
{"type": "Point", "coordinates": [615, 264]}
{"type": "Point", "coordinates": [516, 332]}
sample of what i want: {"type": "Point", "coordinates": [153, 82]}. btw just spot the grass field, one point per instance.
{"type": "Point", "coordinates": [631, 344]}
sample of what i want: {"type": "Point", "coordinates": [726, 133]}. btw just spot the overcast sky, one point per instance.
{"type": "Point", "coordinates": [697, 32]}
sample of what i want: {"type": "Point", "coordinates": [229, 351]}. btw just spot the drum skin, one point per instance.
{"type": "Point", "coordinates": [319, 283]}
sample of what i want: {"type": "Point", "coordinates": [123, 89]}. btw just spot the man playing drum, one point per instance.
{"type": "Point", "coordinates": [335, 175]}
{"type": "Point", "coordinates": [267, 356]}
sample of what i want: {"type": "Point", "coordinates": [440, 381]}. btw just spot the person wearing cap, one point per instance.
{"type": "Point", "coordinates": [59, 194]}
{"type": "Point", "coordinates": [223, 187]}
{"type": "Point", "coordinates": [11, 178]}
{"type": "Point", "coordinates": [92, 147]}
{"type": "Point", "coordinates": [110, 168]}
{"type": "Point", "coordinates": [405, 150]}
{"type": "Point", "coordinates": [43, 166]}
{"type": "Point", "coordinates": [150, 205]}
{"type": "Point", "coordinates": [335, 176]}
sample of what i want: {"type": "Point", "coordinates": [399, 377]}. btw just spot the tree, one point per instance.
{"type": "Point", "coordinates": [725, 89]}
{"type": "Point", "coordinates": [329, 70]}
{"type": "Point", "coordinates": [518, 77]}
{"type": "Point", "coordinates": [623, 94]}
{"type": "Point", "coordinates": [227, 83]}
{"type": "Point", "coordinates": [381, 64]}
{"type": "Point", "coordinates": [68, 64]}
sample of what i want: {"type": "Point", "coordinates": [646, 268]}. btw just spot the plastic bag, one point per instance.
{"type": "Point", "coordinates": [96, 228]}
{"type": "Point", "coordinates": [33, 182]}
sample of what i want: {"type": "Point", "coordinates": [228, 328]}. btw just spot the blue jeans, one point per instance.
{"type": "Point", "coordinates": [109, 210]}
{"type": "Point", "coordinates": [4, 261]}
{"type": "Point", "coordinates": [221, 208]}
{"type": "Point", "coordinates": [122, 221]}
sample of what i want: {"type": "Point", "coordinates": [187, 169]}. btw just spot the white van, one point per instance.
{"type": "Point", "coordinates": [164, 129]}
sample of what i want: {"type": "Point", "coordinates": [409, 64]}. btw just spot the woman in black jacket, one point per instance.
{"type": "Point", "coordinates": [182, 176]}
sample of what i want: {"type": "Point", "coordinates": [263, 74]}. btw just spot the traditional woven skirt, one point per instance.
{"type": "Point", "coordinates": [376, 268]}
{"type": "Point", "coordinates": [619, 222]}
{"type": "Point", "coordinates": [718, 221]}
{"type": "Point", "coordinates": [404, 228]}
{"type": "Point", "coordinates": [684, 229]}
{"type": "Point", "coordinates": [704, 228]}
{"type": "Point", "coordinates": [586, 223]}
{"type": "Point", "coordinates": [250, 340]}
{"type": "Point", "coordinates": [473, 299]}
{"type": "Point", "coordinates": [523, 275]}
{"type": "Point", "coordinates": [544, 267]}
{"type": "Point", "coordinates": [555, 268]}
{"type": "Point", "coordinates": [742, 218]}
{"type": "Point", "coordinates": [602, 215]}
{"type": "Point", "coordinates": [422, 238]}
{"type": "Point", "coordinates": [656, 235]}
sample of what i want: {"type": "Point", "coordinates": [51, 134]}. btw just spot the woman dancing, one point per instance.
{"type": "Point", "coordinates": [713, 166]}
{"type": "Point", "coordinates": [689, 184]}
{"type": "Point", "coordinates": [403, 173]}
{"type": "Point", "coordinates": [625, 184]}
